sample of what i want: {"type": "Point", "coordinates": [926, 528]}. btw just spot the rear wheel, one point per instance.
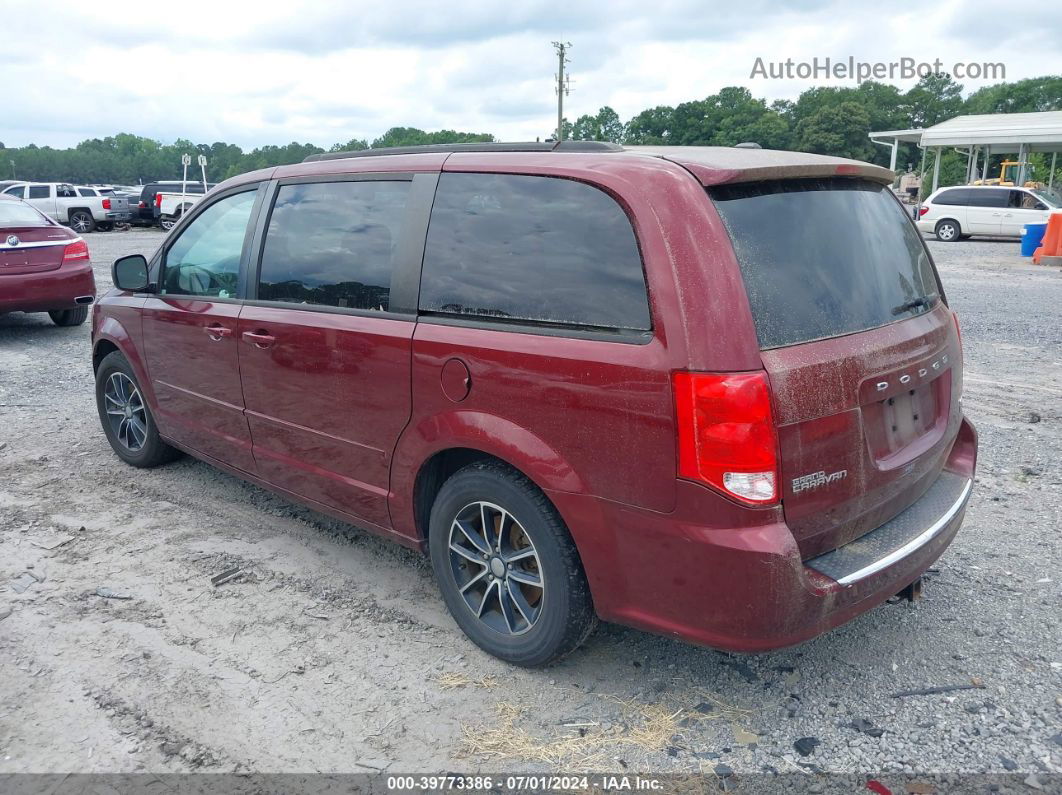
{"type": "Point", "coordinates": [948, 231]}
{"type": "Point", "coordinates": [70, 317]}
{"type": "Point", "coordinates": [507, 568]}
{"type": "Point", "coordinates": [125, 415]}
{"type": "Point", "coordinates": [81, 221]}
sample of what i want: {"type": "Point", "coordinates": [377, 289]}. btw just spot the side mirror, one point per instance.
{"type": "Point", "coordinates": [131, 273]}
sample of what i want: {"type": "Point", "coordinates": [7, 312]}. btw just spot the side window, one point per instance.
{"type": "Point", "coordinates": [86, 192]}
{"type": "Point", "coordinates": [333, 243]}
{"type": "Point", "coordinates": [532, 248]}
{"type": "Point", "coordinates": [989, 198]}
{"type": "Point", "coordinates": [65, 192]}
{"type": "Point", "coordinates": [953, 197]}
{"type": "Point", "coordinates": [17, 190]}
{"type": "Point", "coordinates": [39, 191]}
{"type": "Point", "coordinates": [1023, 200]}
{"type": "Point", "coordinates": [205, 259]}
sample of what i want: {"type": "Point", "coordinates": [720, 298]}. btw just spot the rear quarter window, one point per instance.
{"type": "Point", "coordinates": [529, 248]}
{"type": "Point", "coordinates": [825, 258]}
{"type": "Point", "coordinates": [953, 197]}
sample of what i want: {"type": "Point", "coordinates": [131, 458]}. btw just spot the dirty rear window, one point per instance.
{"type": "Point", "coordinates": [825, 257]}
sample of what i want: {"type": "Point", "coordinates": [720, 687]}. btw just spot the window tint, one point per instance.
{"type": "Point", "coordinates": [989, 198]}
{"type": "Point", "coordinates": [953, 197]}
{"type": "Point", "coordinates": [39, 191]}
{"type": "Point", "coordinates": [333, 243]}
{"type": "Point", "coordinates": [18, 190]}
{"type": "Point", "coordinates": [824, 258]}
{"type": "Point", "coordinates": [532, 248]}
{"type": "Point", "coordinates": [205, 259]}
{"type": "Point", "coordinates": [86, 192]}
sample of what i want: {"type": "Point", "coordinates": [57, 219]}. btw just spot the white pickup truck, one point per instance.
{"type": "Point", "coordinates": [83, 209]}
{"type": "Point", "coordinates": [172, 204]}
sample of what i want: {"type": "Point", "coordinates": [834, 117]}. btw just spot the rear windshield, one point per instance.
{"type": "Point", "coordinates": [825, 257]}
{"type": "Point", "coordinates": [19, 214]}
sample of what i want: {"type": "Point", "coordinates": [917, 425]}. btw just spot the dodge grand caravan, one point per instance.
{"type": "Point", "coordinates": [712, 393]}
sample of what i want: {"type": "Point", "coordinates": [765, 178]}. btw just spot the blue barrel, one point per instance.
{"type": "Point", "coordinates": [1031, 237]}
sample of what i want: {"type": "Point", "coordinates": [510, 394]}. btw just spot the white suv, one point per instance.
{"type": "Point", "coordinates": [955, 213]}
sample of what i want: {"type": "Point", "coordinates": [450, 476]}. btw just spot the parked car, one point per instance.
{"type": "Point", "coordinates": [171, 205]}
{"type": "Point", "coordinates": [44, 267]}
{"type": "Point", "coordinates": [958, 213]}
{"type": "Point", "coordinates": [61, 202]}
{"type": "Point", "coordinates": [117, 207]}
{"type": "Point", "coordinates": [149, 206]}
{"type": "Point", "coordinates": [669, 387]}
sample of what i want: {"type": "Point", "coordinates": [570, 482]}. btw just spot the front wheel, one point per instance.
{"type": "Point", "coordinates": [948, 231]}
{"type": "Point", "coordinates": [82, 222]}
{"type": "Point", "coordinates": [507, 568]}
{"type": "Point", "coordinates": [125, 415]}
{"type": "Point", "coordinates": [70, 317]}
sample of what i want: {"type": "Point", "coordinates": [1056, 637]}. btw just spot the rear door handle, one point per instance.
{"type": "Point", "coordinates": [260, 339]}
{"type": "Point", "coordinates": [217, 332]}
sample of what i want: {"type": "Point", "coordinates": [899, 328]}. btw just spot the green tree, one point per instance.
{"type": "Point", "coordinates": [1036, 94]}
{"type": "Point", "coordinates": [839, 130]}
{"type": "Point", "coordinates": [605, 125]}
{"type": "Point", "coordinates": [651, 127]}
{"type": "Point", "coordinates": [933, 99]}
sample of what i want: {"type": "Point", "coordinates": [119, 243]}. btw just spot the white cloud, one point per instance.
{"type": "Point", "coordinates": [324, 72]}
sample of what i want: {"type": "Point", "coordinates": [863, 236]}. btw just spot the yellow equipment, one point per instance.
{"type": "Point", "coordinates": [1002, 179]}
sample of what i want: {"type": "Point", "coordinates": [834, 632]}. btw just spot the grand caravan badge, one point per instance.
{"type": "Point", "coordinates": [816, 479]}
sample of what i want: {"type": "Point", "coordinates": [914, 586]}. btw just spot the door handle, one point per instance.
{"type": "Point", "coordinates": [217, 332]}
{"type": "Point", "coordinates": [260, 339]}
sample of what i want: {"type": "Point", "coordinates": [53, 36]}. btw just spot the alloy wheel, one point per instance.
{"type": "Point", "coordinates": [496, 568]}
{"type": "Point", "coordinates": [79, 222]}
{"type": "Point", "coordinates": [126, 412]}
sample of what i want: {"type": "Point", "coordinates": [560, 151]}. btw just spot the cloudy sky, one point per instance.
{"type": "Point", "coordinates": [255, 73]}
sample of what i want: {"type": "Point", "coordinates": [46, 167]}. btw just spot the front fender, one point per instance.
{"type": "Point", "coordinates": [473, 430]}
{"type": "Point", "coordinates": [124, 334]}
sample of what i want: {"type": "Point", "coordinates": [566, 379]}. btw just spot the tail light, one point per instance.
{"type": "Point", "coordinates": [922, 210]}
{"type": "Point", "coordinates": [158, 199]}
{"type": "Point", "coordinates": [76, 252]}
{"type": "Point", "coordinates": [106, 204]}
{"type": "Point", "coordinates": [726, 435]}
{"type": "Point", "coordinates": [141, 205]}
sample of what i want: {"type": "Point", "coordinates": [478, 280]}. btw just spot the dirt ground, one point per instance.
{"type": "Point", "coordinates": [331, 650]}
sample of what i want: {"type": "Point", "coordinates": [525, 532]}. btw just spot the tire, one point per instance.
{"type": "Point", "coordinates": [104, 227]}
{"type": "Point", "coordinates": [543, 622]}
{"type": "Point", "coordinates": [82, 222]}
{"type": "Point", "coordinates": [143, 448]}
{"type": "Point", "coordinates": [948, 231]}
{"type": "Point", "coordinates": [166, 222]}
{"type": "Point", "coordinates": [70, 317]}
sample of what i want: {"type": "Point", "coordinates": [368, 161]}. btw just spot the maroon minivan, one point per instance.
{"type": "Point", "coordinates": [713, 393]}
{"type": "Point", "coordinates": [44, 267]}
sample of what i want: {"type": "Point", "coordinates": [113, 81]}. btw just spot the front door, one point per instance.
{"type": "Point", "coordinates": [190, 334]}
{"type": "Point", "coordinates": [325, 362]}
{"type": "Point", "coordinates": [1022, 208]}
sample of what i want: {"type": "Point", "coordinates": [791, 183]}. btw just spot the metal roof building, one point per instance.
{"type": "Point", "coordinates": [980, 136]}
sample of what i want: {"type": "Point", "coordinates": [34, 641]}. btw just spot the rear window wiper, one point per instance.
{"type": "Point", "coordinates": [914, 303]}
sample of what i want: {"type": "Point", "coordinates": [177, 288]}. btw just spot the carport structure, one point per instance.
{"type": "Point", "coordinates": [980, 136]}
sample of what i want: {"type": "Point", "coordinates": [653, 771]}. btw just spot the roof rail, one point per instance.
{"type": "Point", "coordinates": [533, 146]}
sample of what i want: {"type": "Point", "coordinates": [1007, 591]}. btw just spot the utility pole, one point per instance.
{"type": "Point", "coordinates": [563, 83]}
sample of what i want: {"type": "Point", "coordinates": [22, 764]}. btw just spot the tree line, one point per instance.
{"type": "Point", "coordinates": [825, 120]}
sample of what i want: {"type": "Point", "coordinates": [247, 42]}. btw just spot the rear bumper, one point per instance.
{"type": "Point", "coordinates": [49, 290]}
{"type": "Point", "coordinates": [925, 226]}
{"type": "Point", "coordinates": [741, 587]}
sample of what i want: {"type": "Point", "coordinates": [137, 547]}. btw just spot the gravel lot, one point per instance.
{"type": "Point", "coordinates": [334, 653]}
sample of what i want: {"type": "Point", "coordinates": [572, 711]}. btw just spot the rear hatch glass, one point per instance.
{"type": "Point", "coordinates": [859, 347]}
{"type": "Point", "coordinates": [825, 257]}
